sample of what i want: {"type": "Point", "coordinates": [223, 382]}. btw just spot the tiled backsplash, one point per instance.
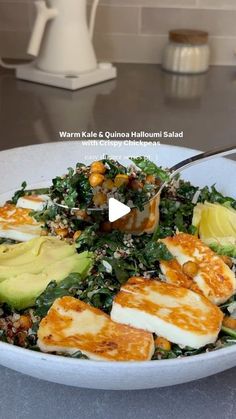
{"type": "Point", "coordinates": [133, 30]}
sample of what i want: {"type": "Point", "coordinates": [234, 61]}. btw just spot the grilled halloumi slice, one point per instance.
{"type": "Point", "coordinates": [175, 313]}
{"type": "Point", "coordinates": [73, 325]}
{"type": "Point", "coordinates": [17, 224]}
{"type": "Point", "coordinates": [214, 278]}
{"type": "Point", "coordinates": [34, 202]}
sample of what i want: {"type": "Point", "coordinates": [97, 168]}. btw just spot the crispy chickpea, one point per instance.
{"type": "Point", "coordinates": [150, 179]}
{"type": "Point", "coordinates": [106, 227]}
{"type": "Point", "coordinates": [25, 322]}
{"type": "Point", "coordinates": [62, 232]}
{"type": "Point", "coordinates": [136, 184]}
{"type": "Point", "coordinates": [108, 184]}
{"type": "Point", "coordinates": [162, 343]}
{"type": "Point", "coordinates": [227, 260]}
{"type": "Point", "coordinates": [99, 199]}
{"type": "Point", "coordinates": [229, 322]}
{"type": "Point", "coordinates": [97, 167]}
{"type": "Point", "coordinates": [190, 268]}
{"type": "Point", "coordinates": [121, 180]}
{"type": "Point", "coordinates": [96, 179]}
{"type": "Point", "coordinates": [76, 235]}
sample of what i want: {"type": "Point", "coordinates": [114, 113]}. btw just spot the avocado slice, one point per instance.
{"type": "Point", "coordinates": [21, 291]}
{"type": "Point", "coordinates": [216, 226]}
{"type": "Point", "coordinates": [32, 256]}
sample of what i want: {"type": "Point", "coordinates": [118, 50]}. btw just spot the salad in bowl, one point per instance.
{"type": "Point", "coordinates": [158, 283]}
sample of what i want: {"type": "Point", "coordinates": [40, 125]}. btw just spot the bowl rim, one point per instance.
{"type": "Point", "coordinates": [56, 359]}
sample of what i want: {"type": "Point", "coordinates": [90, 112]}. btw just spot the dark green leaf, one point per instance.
{"type": "Point", "coordinates": [121, 269]}
{"type": "Point", "coordinates": [228, 331]}
{"type": "Point", "coordinates": [150, 168]}
{"type": "Point", "coordinates": [68, 286]}
{"type": "Point", "coordinates": [212, 195]}
{"type": "Point", "coordinates": [79, 355]}
{"type": "Point", "coordinates": [46, 214]}
{"type": "Point", "coordinates": [87, 238]}
{"type": "Point", "coordinates": [115, 167]}
{"type": "Point", "coordinates": [19, 193]}
{"type": "Point", "coordinates": [3, 336]}
{"type": "Point", "coordinates": [154, 252]}
{"type": "Point", "coordinates": [73, 188]}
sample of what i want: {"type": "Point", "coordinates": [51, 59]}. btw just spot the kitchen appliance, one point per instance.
{"type": "Point", "coordinates": [61, 41]}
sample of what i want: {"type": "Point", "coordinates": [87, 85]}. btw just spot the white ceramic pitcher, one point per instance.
{"type": "Point", "coordinates": [61, 39]}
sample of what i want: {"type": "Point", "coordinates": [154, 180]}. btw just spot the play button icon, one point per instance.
{"type": "Point", "coordinates": [116, 209]}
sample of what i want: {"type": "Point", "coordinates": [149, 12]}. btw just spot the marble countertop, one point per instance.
{"type": "Point", "coordinates": [143, 98]}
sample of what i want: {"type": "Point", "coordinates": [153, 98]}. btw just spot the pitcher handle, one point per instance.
{"type": "Point", "coordinates": [93, 17]}
{"type": "Point", "coordinates": [43, 15]}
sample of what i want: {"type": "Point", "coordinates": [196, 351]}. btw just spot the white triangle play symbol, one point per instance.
{"type": "Point", "coordinates": [116, 209]}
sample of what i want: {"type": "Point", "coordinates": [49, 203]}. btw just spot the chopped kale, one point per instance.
{"type": "Point", "coordinates": [3, 336]}
{"type": "Point", "coordinates": [114, 166]}
{"type": "Point", "coordinates": [121, 268]}
{"type": "Point", "coordinates": [72, 188]}
{"type": "Point", "coordinates": [150, 168]}
{"type": "Point", "coordinates": [186, 191]}
{"type": "Point", "coordinates": [87, 238]}
{"type": "Point", "coordinates": [46, 214]}
{"type": "Point", "coordinates": [177, 352]}
{"type": "Point", "coordinates": [228, 302]}
{"type": "Point", "coordinates": [175, 215]}
{"type": "Point", "coordinates": [19, 193]}
{"type": "Point", "coordinates": [139, 198]}
{"type": "Point", "coordinates": [228, 331]}
{"type": "Point", "coordinates": [212, 195]}
{"type": "Point", "coordinates": [154, 252]}
{"type": "Point", "coordinates": [68, 286]}
{"type": "Point", "coordinates": [23, 191]}
{"type": "Point", "coordinates": [78, 355]}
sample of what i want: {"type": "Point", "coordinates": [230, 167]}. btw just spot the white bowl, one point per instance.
{"type": "Point", "coordinates": [38, 164]}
